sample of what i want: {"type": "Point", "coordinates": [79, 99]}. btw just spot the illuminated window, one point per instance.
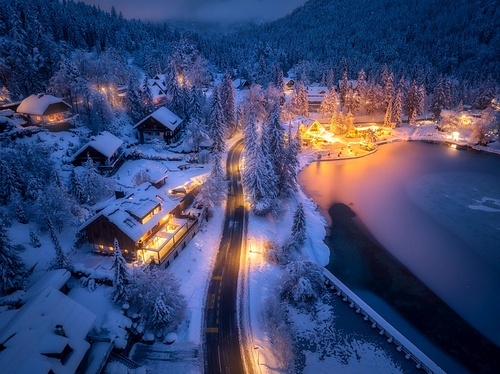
{"type": "Point", "coordinates": [101, 246]}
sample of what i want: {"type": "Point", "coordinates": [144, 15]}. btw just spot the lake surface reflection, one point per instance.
{"type": "Point", "coordinates": [434, 209]}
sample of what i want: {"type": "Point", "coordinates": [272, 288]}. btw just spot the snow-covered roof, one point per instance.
{"type": "Point", "coordinates": [165, 117]}
{"type": "Point", "coordinates": [55, 278]}
{"type": "Point", "coordinates": [38, 104]}
{"type": "Point", "coordinates": [317, 91]}
{"type": "Point", "coordinates": [105, 143]}
{"type": "Point", "coordinates": [123, 212]}
{"type": "Point", "coordinates": [352, 83]}
{"type": "Point", "coordinates": [42, 329]}
{"type": "Point", "coordinates": [239, 83]}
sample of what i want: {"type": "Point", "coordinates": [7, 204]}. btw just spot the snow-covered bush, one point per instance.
{"type": "Point", "coordinates": [155, 294]}
{"type": "Point", "coordinates": [302, 283]}
{"type": "Point", "coordinates": [280, 336]}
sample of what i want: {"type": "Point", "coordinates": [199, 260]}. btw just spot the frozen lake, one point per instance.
{"type": "Point", "coordinates": [436, 211]}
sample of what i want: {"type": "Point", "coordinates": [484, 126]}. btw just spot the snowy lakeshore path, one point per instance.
{"type": "Point", "coordinates": [222, 346]}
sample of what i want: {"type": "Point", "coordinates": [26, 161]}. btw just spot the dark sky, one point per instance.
{"type": "Point", "coordinates": [201, 10]}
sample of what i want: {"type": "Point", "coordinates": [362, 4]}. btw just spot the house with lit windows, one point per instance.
{"type": "Point", "coordinates": [148, 224]}
{"type": "Point", "coordinates": [45, 110]}
{"type": "Point", "coordinates": [104, 149]}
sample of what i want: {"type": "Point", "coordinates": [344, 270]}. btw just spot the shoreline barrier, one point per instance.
{"type": "Point", "coordinates": [403, 345]}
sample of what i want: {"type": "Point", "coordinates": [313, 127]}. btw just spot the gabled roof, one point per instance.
{"type": "Point", "coordinates": [123, 212]}
{"type": "Point", "coordinates": [240, 83]}
{"type": "Point", "coordinates": [165, 117]}
{"type": "Point", "coordinates": [31, 338]}
{"type": "Point", "coordinates": [105, 143]}
{"type": "Point", "coordinates": [42, 105]}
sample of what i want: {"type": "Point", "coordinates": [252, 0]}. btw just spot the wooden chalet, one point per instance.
{"type": "Point", "coordinates": [149, 226]}
{"type": "Point", "coordinates": [316, 134]}
{"type": "Point", "coordinates": [162, 124]}
{"type": "Point", "coordinates": [104, 149]}
{"type": "Point", "coordinates": [45, 110]}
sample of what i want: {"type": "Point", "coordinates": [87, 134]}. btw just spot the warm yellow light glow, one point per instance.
{"type": "Point", "coordinates": [455, 136]}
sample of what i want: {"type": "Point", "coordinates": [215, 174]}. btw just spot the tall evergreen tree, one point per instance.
{"type": "Point", "coordinates": [8, 183]}
{"type": "Point", "coordinates": [343, 90]}
{"type": "Point", "coordinates": [34, 239]}
{"type": "Point", "coordinates": [397, 109]}
{"type": "Point", "coordinates": [162, 314]}
{"type": "Point", "coordinates": [274, 136]}
{"type": "Point", "coordinates": [227, 101]}
{"type": "Point", "coordinates": [411, 103]}
{"type": "Point", "coordinates": [217, 126]}
{"type": "Point", "coordinates": [299, 100]}
{"type": "Point", "coordinates": [60, 261]}
{"type": "Point", "coordinates": [290, 166]}
{"type": "Point", "coordinates": [133, 101]}
{"type": "Point", "coordinates": [250, 139]}
{"type": "Point", "coordinates": [439, 99]}
{"type": "Point", "coordinates": [299, 226]}
{"type": "Point", "coordinates": [121, 275]}
{"type": "Point", "coordinates": [388, 115]}
{"type": "Point", "coordinates": [12, 268]}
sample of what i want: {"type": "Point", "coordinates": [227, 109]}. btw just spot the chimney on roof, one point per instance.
{"type": "Point", "coordinates": [119, 194]}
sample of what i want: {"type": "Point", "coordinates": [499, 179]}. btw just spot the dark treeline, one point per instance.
{"type": "Point", "coordinates": [414, 38]}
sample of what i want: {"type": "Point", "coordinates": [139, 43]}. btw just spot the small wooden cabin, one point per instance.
{"type": "Point", "coordinates": [104, 149]}
{"type": "Point", "coordinates": [45, 110]}
{"type": "Point", "coordinates": [162, 124]}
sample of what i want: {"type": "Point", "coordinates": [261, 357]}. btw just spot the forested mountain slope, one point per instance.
{"type": "Point", "coordinates": [458, 38]}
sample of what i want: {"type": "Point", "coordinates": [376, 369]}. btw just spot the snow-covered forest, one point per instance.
{"type": "Point", "coordinates": [162, 104]}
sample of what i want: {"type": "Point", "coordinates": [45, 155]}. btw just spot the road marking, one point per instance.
{"type": "Point", "coordinates": [212, 330]}
{"type": "Point", "coordinates": [211, 301]}
{"type": "Point", "coordinates": [217, 277]}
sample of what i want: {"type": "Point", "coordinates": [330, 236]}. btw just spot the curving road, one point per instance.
{"type": "Point", "coordinates": [222, 344]}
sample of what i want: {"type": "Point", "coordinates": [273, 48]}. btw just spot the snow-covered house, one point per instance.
{"type": "Point", "coordinates": [162, 124]}
{"type": "Point", "coordinates": [289, 83]}
{"type": "Point", "coordinates": [316, 133]}
{"type": "Point", "coordinates": [104, 149]}
{"type": "Point", "coordinates": [45, 110]}
{"type": "Point", "coordinates": [315, 96]}
{"type": "Point", "coordinates": [48, 334]}
{"type": "Point", "coordinates": [158, 89]}
{"type": "Point", "coordinates": [240, 84]}
{"type": "Point", "coordinates": [148, 225]}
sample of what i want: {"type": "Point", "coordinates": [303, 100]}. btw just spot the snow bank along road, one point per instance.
{"type": "Point", "coordinates": [222, 347]}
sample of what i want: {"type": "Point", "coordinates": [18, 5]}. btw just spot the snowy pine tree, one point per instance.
{"type": "Point", "coordinates": [162, 314]}
{"type": "Point", "coordinates": [397, 109]}
{"type": "Point", "coordinates": [121, 276]}
{"type": "Point", "coordinates": [302, 284]}
{"type": "Point", "coordinates": [12, 268]}
{"type": "Point", "coordinates": [343, 90]}
{"type": "Point", "coordinates": [299, 102]}
{"type": "Point", "coordinates": [290, 166]}
{"type": "Point", "coordinates": [274, 137]}
{"type": "Point", "coordinates": [250, 139]}
{"type": "Point", "coordinates": [388, 115]}
{"type": "Point", "coordinates": [8, 184]}
{"type": "Point", "coordinates": [299, 227]}
{"type": "Point", "coordinates": [228, 107]}
{"type": "Point", "coordinates": [60, 261]}
{"type": "Point", "coordinates": [411, 104]}
{"type": "Point", "coordinates": [329, 104]}
{"type": "Point", "coordinates": [34, 239]}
